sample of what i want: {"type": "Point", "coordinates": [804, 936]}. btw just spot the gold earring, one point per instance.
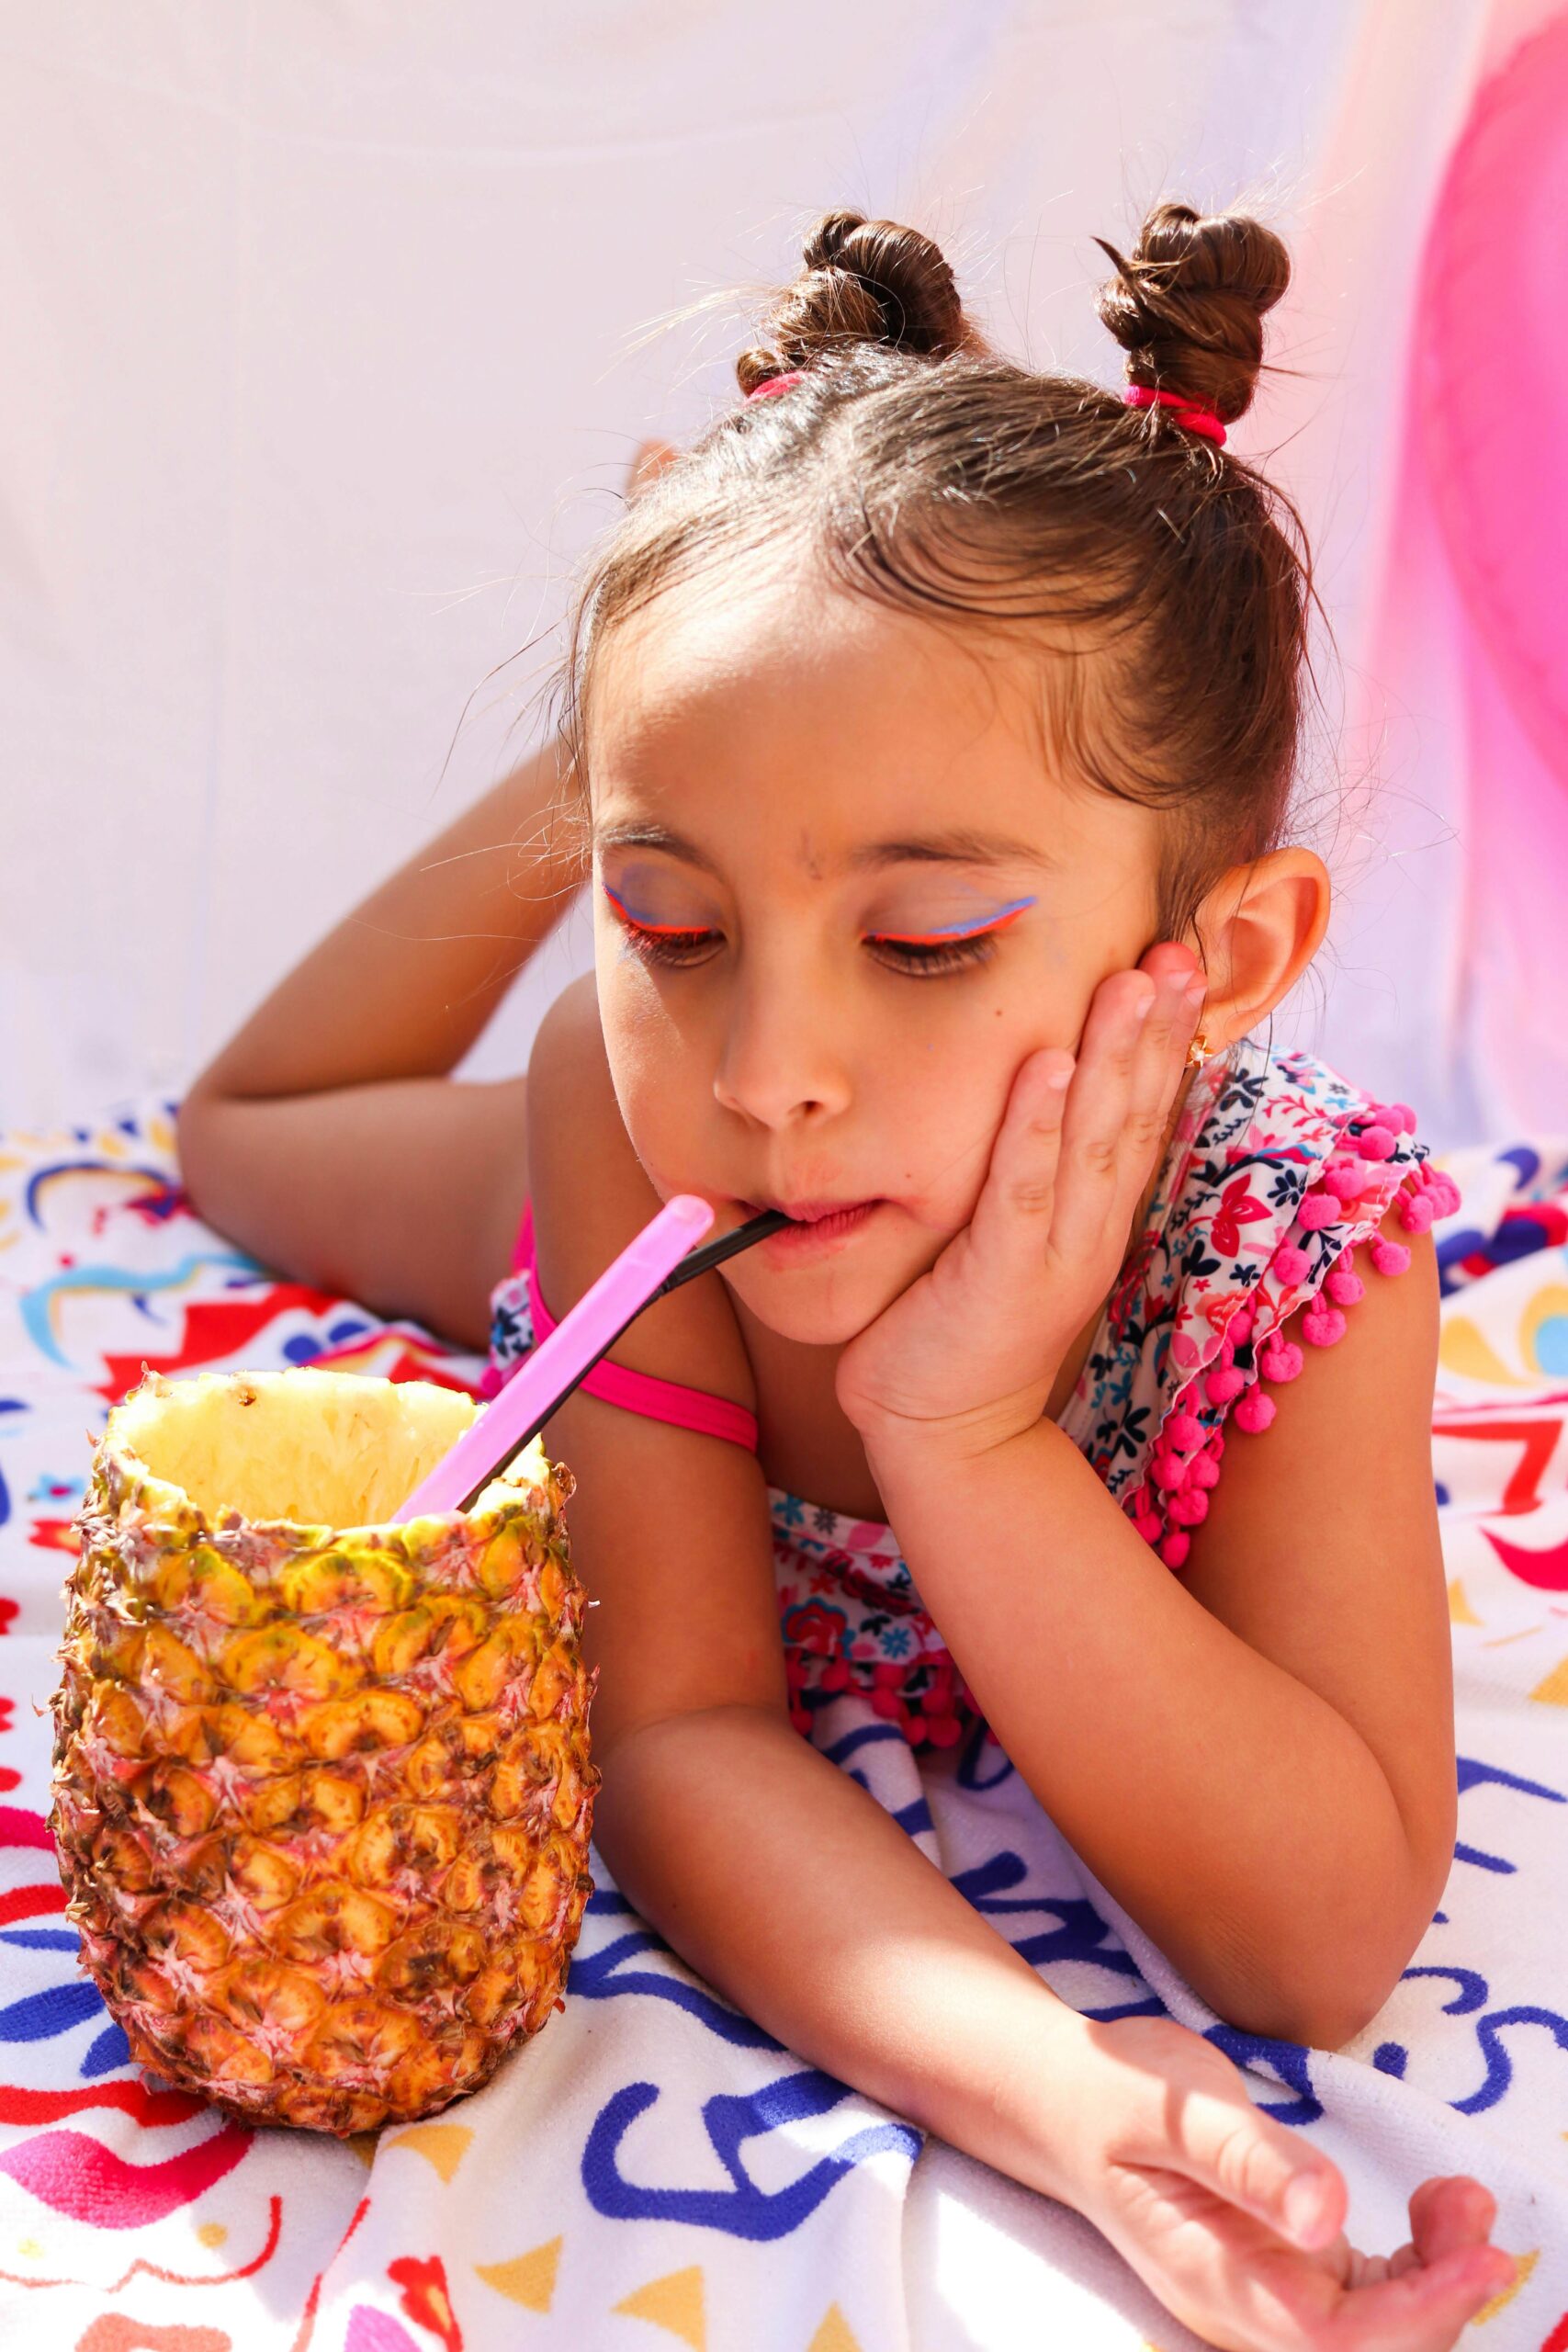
{"type": "Point", "coordinates": [1198, 1051]}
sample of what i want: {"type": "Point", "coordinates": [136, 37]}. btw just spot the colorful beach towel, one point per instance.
{"type": "Point", "coordinates": [654, 2169]}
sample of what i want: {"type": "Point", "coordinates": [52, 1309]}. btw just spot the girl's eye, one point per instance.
{"type": "Point", "coordinates": [657, 943]}
{"type": "Point", "coordinates": [928, 953]}
{"type": "Point", "coordinates": [680, 949]}
{"type": "Point", "coordinates": [677, 947]}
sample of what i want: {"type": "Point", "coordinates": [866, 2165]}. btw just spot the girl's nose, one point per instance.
{"type": "Point", "coordinates": [782, 1060]}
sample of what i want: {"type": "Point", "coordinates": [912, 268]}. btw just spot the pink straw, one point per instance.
{"type": "Point", "coordinates": [553, 1368]}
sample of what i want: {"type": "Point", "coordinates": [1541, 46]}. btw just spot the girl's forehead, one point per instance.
{"type": "Point", "coordinates": [775, 669]}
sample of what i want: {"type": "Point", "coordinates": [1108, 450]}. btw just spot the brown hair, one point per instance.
{"type": "Point", "coordinates": [919, 466]}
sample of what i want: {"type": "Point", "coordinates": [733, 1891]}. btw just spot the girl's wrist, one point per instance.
{"type": "Point", "coordinates": [903, 1451]}
{"type": "Point", "coordinates": [1045, 2106]}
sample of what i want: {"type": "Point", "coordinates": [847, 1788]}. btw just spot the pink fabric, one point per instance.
{"type": "Point", "coordinates": [636, 1391]}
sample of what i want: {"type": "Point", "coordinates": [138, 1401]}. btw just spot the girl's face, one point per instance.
{"type": "Point", "coordinates": [840, 894]}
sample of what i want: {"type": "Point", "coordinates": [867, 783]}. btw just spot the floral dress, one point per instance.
{"type": "Point", "coordinates": [1277, 1170]}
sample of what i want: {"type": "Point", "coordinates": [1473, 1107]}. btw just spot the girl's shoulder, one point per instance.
{"type": "Point", "coordinates": [1279, 1168]}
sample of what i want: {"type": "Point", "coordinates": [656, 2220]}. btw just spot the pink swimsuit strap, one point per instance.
{"type": "Point", "coordinates": [636, 1391]}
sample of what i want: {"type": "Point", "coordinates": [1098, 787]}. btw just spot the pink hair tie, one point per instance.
{"type": "Point", "coordinates": [776, 384]}
{"type": "Point", "coordinates": [1192, 415]}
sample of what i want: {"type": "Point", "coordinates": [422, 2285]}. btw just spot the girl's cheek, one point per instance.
{"type": "Point", "coordinates": [946, 1126]}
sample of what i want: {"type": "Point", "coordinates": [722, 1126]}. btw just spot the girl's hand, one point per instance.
{"type": "Point", "coordinates": [973, 1347]}
{"type": "Point", "coordinates": [1235, 2222]}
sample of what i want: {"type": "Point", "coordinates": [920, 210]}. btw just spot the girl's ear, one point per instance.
{"type": "Point", "coordinates": [648, 463]}
{"type": "Point", "coordinates": [1260, 926]}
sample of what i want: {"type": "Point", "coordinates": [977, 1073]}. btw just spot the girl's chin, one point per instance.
{"type": "Point", "coordinates": [830, 1296]}
{"type": "Point", "coordinates": [820, 1323]}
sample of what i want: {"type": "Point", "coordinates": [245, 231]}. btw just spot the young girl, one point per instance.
{"type": "Point", "coordinates": [934, 723]}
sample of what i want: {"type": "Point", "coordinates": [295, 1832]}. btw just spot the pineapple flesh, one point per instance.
{"type": "Point", "coordinates": [323, 1792]}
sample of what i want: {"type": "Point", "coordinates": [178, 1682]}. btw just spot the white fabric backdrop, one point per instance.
{"type": "Point", "coordinates": [324, 332]}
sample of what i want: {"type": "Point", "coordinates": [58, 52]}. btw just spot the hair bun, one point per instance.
{"type": "Point", "coordinates": [1188, 303]}
{"type": "Point", "coordinates": [864, 281]}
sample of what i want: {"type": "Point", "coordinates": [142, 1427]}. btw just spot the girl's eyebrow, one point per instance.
{"type": "Point", "coordinates": [959, 845]}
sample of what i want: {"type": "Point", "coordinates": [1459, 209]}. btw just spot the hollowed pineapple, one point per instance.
{"type": "Point", "coordinates": [321, 1790]}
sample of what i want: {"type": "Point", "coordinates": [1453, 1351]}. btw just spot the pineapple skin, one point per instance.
{"type": "Point", "coordinates": [322, 1802]}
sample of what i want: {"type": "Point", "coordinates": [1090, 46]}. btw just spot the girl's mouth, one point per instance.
{"type": "Point", "coordinates": [819, 1230]}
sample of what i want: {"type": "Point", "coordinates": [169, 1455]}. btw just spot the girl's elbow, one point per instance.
{"type": "Point", "coordinates": [1321, 2009]}
{"type": "Point", "coordinates": [1327, 2016]}
{"type": "Point", "coordinates": [1325, 1999]}
{"type": "Point", "coordinates": [195, 1123]}
{"type": "Point", "coordinates": [218, 1178]}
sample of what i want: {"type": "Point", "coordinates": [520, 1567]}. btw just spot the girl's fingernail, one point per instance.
{"type": "Point", "coordinates": [1197, 989]}
{"type": "Point", "coordinates": [1304, 2211]}
{"type": "Point", "coordinates": [1144, 1007]}
{"type": "Point", "coordinates": [1057, 1079]}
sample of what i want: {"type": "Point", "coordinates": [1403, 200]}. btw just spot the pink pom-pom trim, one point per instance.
{"type": "Point", "coordinates": [1323, 1326]}
{"type": "Point", "coordinates": [1175, 1495]}
{"type": "Point", "coordinates": [1346, 1179]}
{"type": "Point", "coordinates": [1443, 1191]}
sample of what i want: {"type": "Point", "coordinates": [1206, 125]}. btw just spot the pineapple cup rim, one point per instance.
{"type": "Point", "coordinates": [175, 1502]}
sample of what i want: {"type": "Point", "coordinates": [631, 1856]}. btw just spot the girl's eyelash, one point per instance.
{"type": "Point", "coordinates": [934, 956]}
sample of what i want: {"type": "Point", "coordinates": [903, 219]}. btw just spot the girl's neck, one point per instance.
{"type": "Point", "coordinates": [806, 1446]}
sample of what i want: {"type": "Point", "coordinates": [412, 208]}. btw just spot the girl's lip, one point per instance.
{"type": "Point", "coordinates": [810, 1212]}
{"type": "Point", "coordinates": [819, 1232]}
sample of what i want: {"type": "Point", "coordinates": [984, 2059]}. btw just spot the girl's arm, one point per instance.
{"type": "Point", "coordinates": [1256, 1757]}
{"type": "Point", "coordinates": [787, 1886]}
{"type": "Point", "coordinates": [327, 1137]}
